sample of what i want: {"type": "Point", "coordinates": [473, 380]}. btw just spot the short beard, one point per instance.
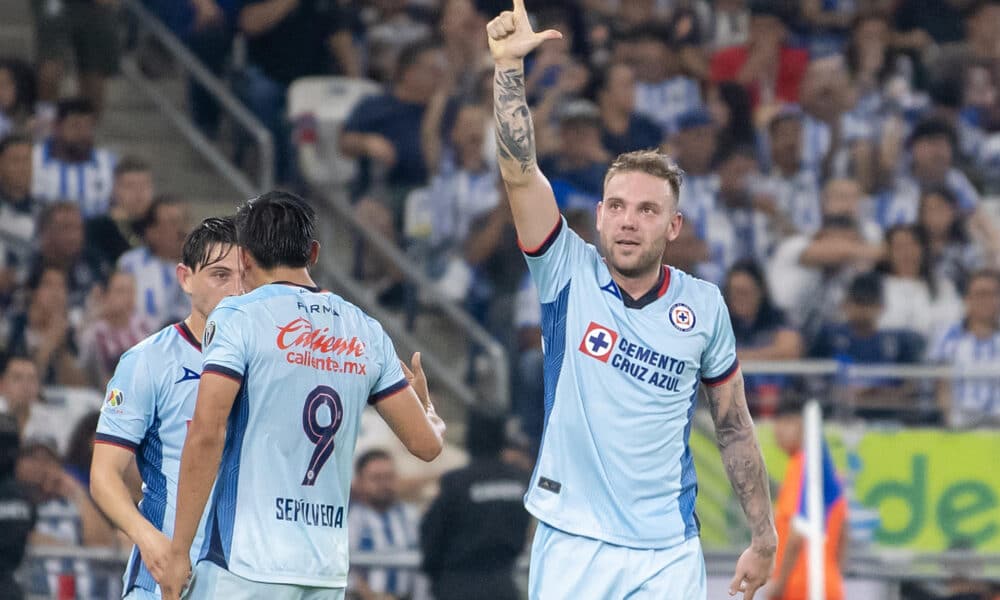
{"type": "Point", "coordinates": [648, 263]}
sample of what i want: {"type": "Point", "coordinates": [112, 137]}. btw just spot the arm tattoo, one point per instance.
{"type": "Point", "coordinates": [742, 458]}
{"type": "Point", "coordinates": [514, 131]}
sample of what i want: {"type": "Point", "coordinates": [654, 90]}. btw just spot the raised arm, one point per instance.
{"type": "Point", "coordinates": [744, 464]}
{"type": "Point", "coordinates": [531, 199]}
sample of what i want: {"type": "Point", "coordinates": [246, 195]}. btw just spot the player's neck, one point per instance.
{"type": "Point", "coordinates": [638, 286]}
{"type": "Point", "coordinates": [298, 276]}
{"type": "Point", "coordinates": [196, 324]}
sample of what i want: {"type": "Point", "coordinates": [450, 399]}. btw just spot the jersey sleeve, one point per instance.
{"type": "Point", "coordinates": [129, 404]}
{"type": "Point", "coordinates": [553, 262]}
{"type": "Point", "coordinates": [718, 360]}
{"type": "Point", "coordinates": [390, 374]}
{"type": "Point", "coordinates": [226, 343]}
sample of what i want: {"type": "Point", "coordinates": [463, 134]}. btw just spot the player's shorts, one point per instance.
{"type": "Point", "coordinates": [566, 566]}
{"type": "Point", "coordinates": [212, 581]}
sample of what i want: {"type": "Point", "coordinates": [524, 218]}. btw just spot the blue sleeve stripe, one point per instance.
{"type": "Point", "coordinates": [389, 391]}
{"type": "Point", "coordinates": [724, 376]}
{"type": "Point", "coordinates": [114, 440]}
{"type": "Point", "coordinates": [546, 244]}
{"type": "Point", "coordinates": [224, 371]}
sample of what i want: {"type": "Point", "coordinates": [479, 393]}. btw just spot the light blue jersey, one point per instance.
{"type": "Point", "coordinates": [149, 403]}
{"type": "Point", "coordinates": [621, 383]}
{"type": "Point", "coordinates": [308, 363]}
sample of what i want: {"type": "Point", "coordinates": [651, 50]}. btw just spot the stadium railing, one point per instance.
{"type": "Point", "coordinates": [147, 24]}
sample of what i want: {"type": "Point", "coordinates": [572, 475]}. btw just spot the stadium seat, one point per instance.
{"type": "Point", "coordinates": [317, 108]}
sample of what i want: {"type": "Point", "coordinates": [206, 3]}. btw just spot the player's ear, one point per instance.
{"type": "Point", "coordinates": [313, 253]}
{"type": "Point", "coordinates": [184, 277]}
{"type": "Point", "coordinates": [674, 229]}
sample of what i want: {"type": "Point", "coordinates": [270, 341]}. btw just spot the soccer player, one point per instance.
{"type": "Point", "coordinates": [150, 401]}
{"type": "Point", "coordinates": [628, 342]}
{"type": "Point", "coordinates": [287, 371]}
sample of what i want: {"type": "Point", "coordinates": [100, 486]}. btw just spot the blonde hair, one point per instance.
{"type": "Point", "coordinates": [651, 162]}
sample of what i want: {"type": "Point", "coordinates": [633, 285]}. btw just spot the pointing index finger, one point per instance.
{"type": "Point", "coordinates": [519, 7]}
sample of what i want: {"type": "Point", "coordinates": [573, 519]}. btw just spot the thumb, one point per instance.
{"type": "Point", "coordinates": [548, 34]}
{"type": "Point", "coordinates": [734, 585]}
{"type": "Point", "coordinates": [417, 367]}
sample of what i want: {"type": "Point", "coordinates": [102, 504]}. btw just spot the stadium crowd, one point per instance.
{"type": "Point", "coordinates": [840, 158]}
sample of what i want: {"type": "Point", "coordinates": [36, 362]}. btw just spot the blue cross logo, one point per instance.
{"type": "Point", "coordinates": [682, 317]}
{"type": "Point", "coordinates": [598, 342]}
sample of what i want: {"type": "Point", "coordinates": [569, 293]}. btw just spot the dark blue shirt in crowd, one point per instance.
{"type": "Point", "coordinates": [589, 179]}
{"type": "Point", "coordinates": [399, 122]}
{"type": "Point", "coordinates": [642, 134]}
{"type": "Point", "coordinates": [889, 346]}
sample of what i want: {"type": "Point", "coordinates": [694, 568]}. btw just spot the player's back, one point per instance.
{"type": "Point", "coordinates": [308, 363]}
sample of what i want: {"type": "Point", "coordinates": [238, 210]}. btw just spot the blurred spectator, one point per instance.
{"type": "Point", "coordinates": [80, 451]}
{"type": "Point", "coordinates": [953, 254]}
{"type": "Point", "coordinates": [118, 327]}
{"type": "Point", "coordinates": [463, 190]}
{"type": "Point", "coordinates": [932, 146]}
{"type": "Point", "coordinates": [17, 206]}
{"type": "Point", "coordinates": [207, 27]}
{"type": "Point", "coordinates": [767, 65]}
{"type": "Point", "coordinates": [836, 136]}
{"type": "Point", "coordinates": [159, 297]}
{"type": "Point", "coordinates": [17, 512]}
{"type": "Point", "coordinates": [808, 275]}
{"type": "Point", "coordinates": [476, 528]}
{"type": "Point", "coordinates": [545, 67]}
{"type": "Point", "coordinates": [461, 27]}
{"type": "Point", "coordinates": [17, 97]}
{"type": "Point", "coordinates": [729, 104]}
{"type": "Point", "coordinates": [112, 234]}
{"type": "Point", "coordinates": [68, 166]}
{"type": "Point", "coordinates": [622, 128]}
{"type": "Point", "coordinates": [858, 340]}
{"type": "Point", "coordinates": [19, 389]}
{"type": "Point", "coordinates": [915, 297]}
{"type": "Point", "coordinates": [492, 251]}
{"type": "Point", "coordinates": [61, 247]}
{"type": "Point", "coordinates": [389, 27]}
{"type": "Point", "coordinates": [577, 170]}
{"type": "Point", "coordinates": [66, 517]}
{"type": "Point", "coordinates": [845, 198]}
{"type": "Point", "coordinates": [791, 190]}
{"type": "Point", "coordinates": [286, 40]}
{"type": "Point", "coordinates": [663, 92]}
{"type": "Point", "coordinates": [829, 23]}
{"type": "Point", "coordinates": [694, 146]}
{"type": "Point", "coordinates": [66, 514]}
{"type": "Point", "coordinates": [84, 32]}
{"type": "Point", "coordinates": [761, 331]}
{"type": "Point", "coordinates": [379, 522]}
{"type": "Point", "coordinates": [739, 223]}
{"type": "Point", "coordinates": [790, 578]}
{"type": "Point", "coordinates": [384, 130]}
{"type": "Point", "coordinates": [972, 342]}
{"type": "Point", "coordinates": [44, 331]}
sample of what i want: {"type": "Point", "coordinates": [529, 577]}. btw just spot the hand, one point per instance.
{"type": "Point", "coordinates": [176, 576]}
{"type": "Point", "coordinates": [380, 149]}
{"type": "Point", "coordinates": [511, 37]}
{"type": "Point", "coordinates": [155, 550]}
{"type": "Point", "coordinates": [206, 14]}
{"type": "Point", "coordinates": [418, 380]}
{"type": "Point", "coordinates": [752, 570]}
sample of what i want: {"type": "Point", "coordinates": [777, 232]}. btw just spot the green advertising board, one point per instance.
{"type": "Point", "coordinates": [927, 489]}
